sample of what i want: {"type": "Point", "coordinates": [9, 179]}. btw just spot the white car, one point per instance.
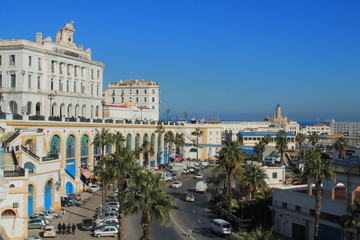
{"type": "Point", "coordinates": [220, 226]}
{"type": "Point", "coordinates": [106, 231]}
{"type": "Point", "coordinates": [113, 204]}
{"type": "Point", "coordinates": [94, 188]}
{"type": "Point", "coordinates": [190, 197]}
{"type": "Point", "coordinates": [49, 231]}
{"type": "Point", "coordinates": [199, 176]}
{"type": "Point", "coordinates": [51, 213]}
{"type": "Point", "coordinates": [101, 220]}
{"type": "Point", "coordinates": [176, 184]}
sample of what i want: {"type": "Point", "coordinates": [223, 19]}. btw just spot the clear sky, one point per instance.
{"type": "Point", "coordinates": [226, 59]}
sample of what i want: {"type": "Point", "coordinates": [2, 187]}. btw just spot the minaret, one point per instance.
{"type": "Point", "coordinates": [278, 112]}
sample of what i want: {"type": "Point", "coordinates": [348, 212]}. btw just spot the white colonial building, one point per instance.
{"type": "Point", "coordinates": [133, 100]}
{"type": "Point", "coordinates": [50, 78]}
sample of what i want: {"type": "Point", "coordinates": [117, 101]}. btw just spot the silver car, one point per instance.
{"type": "Point", "coordinates": [36, 223]}
{"type": "Point", "coordinates": [106, 231]}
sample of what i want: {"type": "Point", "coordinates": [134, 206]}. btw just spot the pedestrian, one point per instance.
{"type": "Point", "coordinates": [59, 228]}
{"type": "Point", "coordinates": [73, 227]}
{"type": "Point", "coordinates": [63, 228]}
{"type": "Point", "coordinates": [63, 212]}
{"type": "Point", "coordinates": [68, 228]}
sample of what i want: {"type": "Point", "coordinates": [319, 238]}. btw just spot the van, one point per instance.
{"type": "Point", "coordinates": [201, 186]}
{"type": "Point", "coordinates": [220, 226]}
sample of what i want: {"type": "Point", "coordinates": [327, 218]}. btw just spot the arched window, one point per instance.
{"type": "Point", "coordinates": [55, 145]}
{"type": "Point", "coordinates": [70, 111]}
{"type": "Point", "coordinates": [62, 110]}
{"type": "Point", "coordinates": [128, 141]}
{"type": "Point", "coordinates": [108, 148]}
{"type": "Point", "coordinates": [83, 111]}
{"type": "Point", "coordinates": [29, 108]}
{"type": "Point", "coordinates": [8, 213]}
{"type": "Point", "coordinates": [84, 145]}
{"type": "Point", "coordinates": [13, 107]}
{"type": "Point", "coordinates": [70, 147]}
{"type": "Point", "coordinates": [30, 166]}
{"type": "Point", "coordinates": [146, 138]}
{"type": "Point", "coordinates": [159, 140]}
{"type": "Point", "coordinates": [97, 150]}
{"type": "Point", "coordinates": [48, 196]}
{"type": "Point", "coordinates": [137, 141]}
{"type": "Point", "coordinates": [38, 109]}
{"type": "Point", "coordinates": [152, 141]}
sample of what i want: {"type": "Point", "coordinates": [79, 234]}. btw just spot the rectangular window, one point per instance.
{"type": "Point", "coordinates": [74, 86]}
{"type": "Point", "coordinates": [137, 91]}
{"type": "Point", "coordinates": [52, 84]}
{"type": "Point", "coordinates": [12, 59]}
{"type": "Point", "coordinates": [98, 74]}
{"type": "Point", "coordinates": [97, 90]}
{"type": "Point", "coordinates": [274, 175]}
{"type": "Point", "coordinates": [82, 88]}
{"type": "Point", "coordinates": [30, 60]}
{"type": "Point", "coordinates": [91, 89]}
{"type": "Point", "coordinates": [75, 71]}
{"type": "Point", "coordinates": [1, 84]}
{"type": "Point", "coordinates": [145, 99]}
{"type": "Point", "coordinates": [153, 99]}
{"type": "Point", "coordinates": [60, 85]}
{"type": "Point", "coordinates": [298, 208]}
{"type": "Point", "coordinates": [113, 99]}
{"type": "Point", "coordinates": [39, 82]}
{"type": "Point", "coordinates": [68, 70]}
{"type": "Point", "coordinates": [67, 86]}
{"type": "Point", "coordinates": [137, 99]}
{"type": "Point", "coordinates": [153, 91]}
{"type": "Point", "coordinates": [0, 60]}
{"type": "Point", "coordinates": [29, 81]}
{"type": "Point", "coordinates": [39, 64]}
{"type": "Point", "coordinates": [12, 80]}
{"type": "Point", "coordinates": [284, 205]}
{"type": "Point", "coordinates": [52, 66]}
{"type": "Point", "coordinates": [145, 91]}
{"type": "Point", "coordinates": [92, 73]}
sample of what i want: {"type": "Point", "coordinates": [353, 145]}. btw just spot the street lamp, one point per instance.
{"type": "Point", "coordinates": [51, 96]}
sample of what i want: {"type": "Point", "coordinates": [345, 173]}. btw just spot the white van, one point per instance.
{"type": "Point", "coordinates": [220, 226]}
{"type": "Point", "coordinates": [201, 186]}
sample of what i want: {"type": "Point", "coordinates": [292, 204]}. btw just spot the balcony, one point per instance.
{"type": "Point", "coordinates": [17, 173]}
{"type": "Point", "coordinates": [2, 115]}
{"type": "Point", "coordinates": [17, 117]}
{"type": "Point", "coordinates": [83, 119]}
{"type": "Point", "coordinates": [70, 119]}
{"type": "Point", "coordinates": [37, 118]}
{"type": "Point", "coordinates": [50, 157]}
{"type": "Point", "coordinates": [97, 120]}
{"type": "Point", "coordinates": [109, 121]}
{"type": "Point", "coordinates": [58, 119]}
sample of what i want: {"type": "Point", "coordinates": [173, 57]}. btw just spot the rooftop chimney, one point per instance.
{"type": "Point", "coordinates": [38, 37]}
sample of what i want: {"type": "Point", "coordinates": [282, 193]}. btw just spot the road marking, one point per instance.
{"type": "Point", "coordinates": [199, 220]}
{"type": "Point", "coordinates": [186, 233]}
{"type": "Point", "coordinates": [193, 211]}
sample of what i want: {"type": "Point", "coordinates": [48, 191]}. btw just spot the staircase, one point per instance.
{"type": "Point", "coordinates": [187, 135]}
{"type": "Point", "coordinates": [9, 137]}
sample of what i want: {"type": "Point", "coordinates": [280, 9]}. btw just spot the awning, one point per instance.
{"type": "Point", "coordinates": [87, 173]}
{"type": "Point", "coordinates": [248, 151]}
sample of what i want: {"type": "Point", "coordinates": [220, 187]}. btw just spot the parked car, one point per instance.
{"type": "Point", "coordinates": [113, 204]}
{"type": "Point", "coordinates": [65, 201]}
{"type": "Point", "coordinates": [220, 226]}
{"type": "Point", "coordinates": [46, 220]}
{"type": "Point", "coordinates": [190, 197]}
{"type": "Point", "coordinates": [106, 231]}
{"type": "Point", "coordinates": [49, 231]}
{"type": "Point", "coordinates": [176, 184]}
{"type": "Point", "coordinates": [199, 176]}
{"type": "Point", "coordinates": [76, 196]}
{"type": "Point", "coordinates": [41, 215]}
{"type": "Point", "coordinates": [37, 223]}
{"type": "Point", "coordinates": [94, 188]}
{"type": "Point", "coordinates": [51, 213]}
{"type": "Point", "coordinates": [107, 224]}
{"type": "Point", "coordinates": [102, 220]}
{"type": "Point", "coordinates": [87, 224]}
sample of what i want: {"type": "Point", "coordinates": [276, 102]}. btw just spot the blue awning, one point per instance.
{"type": "Point", "coordinates": [248, 151]}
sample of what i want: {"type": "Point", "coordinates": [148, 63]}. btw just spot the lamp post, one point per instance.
{"type": "Point", "coordinates": [51, 96]}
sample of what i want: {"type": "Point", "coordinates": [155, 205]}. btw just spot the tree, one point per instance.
{"type": "Point", "coordinates": [152, 201]}
{"type": "Point", "coordinates": [106, 176]}
{"type": "Point", "coordinates": [318, 166]}
{"type": "Point", "coordinates": [341, 145]}
{"type": "Point", "coordinates": [119, 141]}
{"type": "Point", "coordinates": [197, 133]}
{"type": "Point", "coordinates": [231, 158]}
{"type": "Point", "coordinates": [253, 179]}
{"type": "Point", "coordinates": [314, 139]}
{"type": "Point", "coordinates": [300, 139]}
{"type": "Point", "coordinates": [281, 144]}
{"type": "Point", "coordinates": [179, 141]}
{"type": "Point", "coordinates": [185, 116]}
{"type": "Point", "coordinates": [148, 150]}
{"type": "Point", "coordinates": [103, 138]}
{"type": "Point", "coordinates": [257, 234]}
{"type": "Point", "coordinates": [259, 149]}
{"type": "Point", "coordinates": [353, 219]}
{"type": "Point", "coordinates": [123, 162]}
{"type": "Point", "coordinates": [169, 139]}
{"type": "Point", "coordinates": [160, 130]}
{"type": "Point", "coordinates": [266, 139]}
{"type": "Point", "coordinates": [215, 180]}
{"type": "Point", "coordinates": [299, 179]}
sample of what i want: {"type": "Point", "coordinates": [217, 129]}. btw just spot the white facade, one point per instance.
{"type": "Point", "coordinates": [275, 175]}
{"type": "Point", "coordinates": [132, 99]}
{"type": "Point", "coordinates": [319, 129]}
{"type": "Point", "coordinates": [35, 75]}
{"type": "Point", "coordinates": [345, 128]}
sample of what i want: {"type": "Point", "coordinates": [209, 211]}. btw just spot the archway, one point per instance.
{"type": "Point", "coordinates": [62, 110]}
{"type": "Point", "coordinates": [69, 188]}
{"type": "Point", "coordinates": [146, 138]}
{"type": "Point", "coordinates": [48, 195]}
{"type": "Point", "coordinates": [30, 199]}
{"type": "Point", "coordinates": [70, 111]}
{"type": "Point", "coordinates": [29, 108]}
{"type": "Point", "coordinates": [84, 151]}
{"type": "Point", "coordinates": [30, 167]}
{"type": "Point", "coordinates": [70, 155]}
{"type": "Point", "coordinates": [38, 109]}
{"type": "Point", "coordinates": [83, 111]}
{"type": "Point", "coordinates": [340, 192]}
{"type": "Point", "coordinates": [137, 141]}
{"type": "Point", "coordinates": [13, 107]}
{"type": "Point", "coordinates": [128, 141]}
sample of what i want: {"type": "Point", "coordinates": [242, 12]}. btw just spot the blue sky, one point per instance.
{"type": "Point", "coordinates": [227, 59]}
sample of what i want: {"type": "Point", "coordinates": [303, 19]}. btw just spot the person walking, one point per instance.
{"type": "Point", "coordinates": [73, 227]}
{"type": "Point", "coordinates": [68, 228]}
{"type": "Point", "coordinates": [63, 228]}
{"type": "Point", "coordinates": [59, 228]}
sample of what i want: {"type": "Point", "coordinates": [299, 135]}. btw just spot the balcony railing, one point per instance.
{"type": "Point", "coordinates": [17, 173]}
{"type": "Point", "coordinates": [109, 121]}
{"type": "Point", "coordinates": [17, 117]}
{"type": "Point", "coordinates": [70, 119]}
{"type": "Point", "coordinates": [37, 118]}
{"type": "Point", "coordinates": [2, 115]}
{"type": "Point", "coordinates": [52, 118]}
{"type": "Point", "coordinates": [50, 156]}
{"type": "Point", "coordinates": [83, 119]}
{"type": "Point", "coordinates": [97, 120]}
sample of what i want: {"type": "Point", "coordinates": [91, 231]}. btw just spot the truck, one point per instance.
{"type": "Point", "coordinates": [201, 186]}
{"type": "Point", "coordinates": [165, 176]}
{"type": "Point", "coordinates": [178, 167]}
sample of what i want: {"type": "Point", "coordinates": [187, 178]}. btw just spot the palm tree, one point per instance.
{"type": "Point", "coordinates": [300, 139]}
{"type": "Point", "coordinates": [169, 139]}
{"type": "Point", "coordinates": [197, 133]}
{"type": "Point", "coordinates": [231, 158]}
{"type": "Point", "coordinates": [353, 219]}
{"type": "Point", "coordinates": [123, 162]}
{"type": "Point", "coordinates": [152, 201]}
{"type": "Point", "coordinates": [254, 179]}
{"type": "Point", "coordinates": [106, 176]}
{"type": "Point", "coordinates": [119, 140]}
{"type": "Point", "coordinates": [257, 234]}
{"type": "Point", "coordinates": [314, 139]}
{"type": "Point", "coordinates": [179, 141]}
{"type": "Point", "coordinates": [215, 181]}
{"type": "Point", "coordinates": [160, 130]}
{"type": "Point", "coordinates": [266, 139]}
{"type": "Point", "coordinates": [148, 150]}
{"type": "Point", "coordinates": [341, 145]}
{"type": "Point", "coordinates": [103, 138]}
{"type": "Point", "coordinates": [259, 149]}
{"type": "Point", "coordinates": [281, 144]}
{"type": "Point", "coordinates": [299, 179]}
{"type": "Point", "coordinates": [318, 166]}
